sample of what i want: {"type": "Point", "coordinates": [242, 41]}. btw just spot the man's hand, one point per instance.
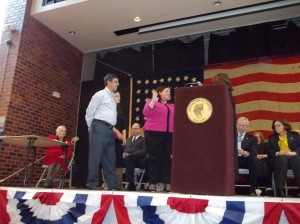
{"type": "Point", "coordinates": [125, 154]}
{"type": "Point", "coordinates": [243, 152]}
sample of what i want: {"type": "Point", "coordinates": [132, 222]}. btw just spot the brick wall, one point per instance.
{"type": "Point", "coordinates": [38, 63]}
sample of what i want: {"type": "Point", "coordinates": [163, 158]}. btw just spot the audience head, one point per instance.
{"type": "Point", "coordinates": [242, 124]}
{"type": "Point", "coordinates": [281, 126]}
{"type": "Point", "coordinates": [164, 93]}
{"type": "Point", "coordinates": [136, 129]}
{"type": "Point", "coordinates": [111, 81]}
{"type": "Point", "coordinates": [61, 131]}
{"type": "Point", "coordinates": [260, 137]}
{"type": "Point", "coordinates": [222, 78]}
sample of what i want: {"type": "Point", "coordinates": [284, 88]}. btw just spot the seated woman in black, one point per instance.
{"type": "Point", "coordinates": [284, 146]}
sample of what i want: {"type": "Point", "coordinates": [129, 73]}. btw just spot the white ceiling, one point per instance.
{"type": "Point", "coordinates": [95, 21]}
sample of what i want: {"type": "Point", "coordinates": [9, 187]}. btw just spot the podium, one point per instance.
{"type": "Point", "coordinates": [203, 152]}
{"type": "Point", "coordinates": [31, 142]}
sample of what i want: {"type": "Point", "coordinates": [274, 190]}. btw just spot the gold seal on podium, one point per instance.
{"type": "Point", "coordinates": [199, 110]}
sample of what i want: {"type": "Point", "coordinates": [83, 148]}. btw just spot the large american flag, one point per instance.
{"type": "Point", "coordinates": [143, 87]}
{"type": "Point", "coordinates": [264, 89]}
{"type": "Point", "coordinates": [41, 206]}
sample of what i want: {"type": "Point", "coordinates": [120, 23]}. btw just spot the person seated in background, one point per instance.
{"type": "Point", "coordinates": [247, 151]}
{"type": "Point", "coordinates": [284, 147]}
{"type": "Point", "coordinates": [55, 156]}
{"type": "Point", "coordinates": [134, 155]}
{"type": "Point", "coordinates": [264, 164]}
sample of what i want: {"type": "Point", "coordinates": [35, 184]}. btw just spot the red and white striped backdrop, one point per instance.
{"type": "Point", "coordinates": [264, 89]}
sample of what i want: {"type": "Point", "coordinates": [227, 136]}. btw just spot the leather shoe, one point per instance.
{"type": "Point", "coordinates": [279, 193]}
{"type": "Point", "coordinates": [95, 188]}
{"type": "Point", "coordinates": [130, 187]}
{"type": "Point", "coordinates": [48, 184]}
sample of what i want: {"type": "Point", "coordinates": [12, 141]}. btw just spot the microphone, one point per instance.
{"type": "Point", "coordinates": [198, 83]}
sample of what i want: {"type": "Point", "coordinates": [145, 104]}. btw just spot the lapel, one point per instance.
{"type": "Point", "coordinates": [245, 139]}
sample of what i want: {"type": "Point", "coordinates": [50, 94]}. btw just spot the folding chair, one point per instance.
{"type": "Point", "coordinates": [61, 180]}
{"type": "Point", "coordinates": [138, 178]}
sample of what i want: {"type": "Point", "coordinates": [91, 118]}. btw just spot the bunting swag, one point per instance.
{"type": "Point", "coordinates": [264, 89]}
{"type": "Point", "coordinates": [29, 206]}
{"type": "Point", "coordinates": [143, 87]}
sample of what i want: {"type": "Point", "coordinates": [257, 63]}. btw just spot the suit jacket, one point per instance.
{"type": "Point", "coordinates": [293, 142]}
{"type": "Point", "coordinates": [249, 144]}
{"type": "Point", "coordinates": [136, 148]}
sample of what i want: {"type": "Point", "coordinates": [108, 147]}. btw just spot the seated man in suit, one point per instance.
{"type": "Point", "coordinates": [134, 154]}
{"type": "Point", "coordinates": [247, 151]}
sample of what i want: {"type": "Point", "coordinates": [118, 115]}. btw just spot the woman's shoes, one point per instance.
{"type": "Point", "coordinates": [48, 184]}
{"type": "Point", "coordinates": [152, 187]}
{"type": "Point", "coordinates": [279, 193]}
{"type": "Point", "coordinates": [159, 188]}
{"type": "Point", "coordinates": [168, 188]}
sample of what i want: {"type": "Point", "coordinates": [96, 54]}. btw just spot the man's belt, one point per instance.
{"type": "Point", "coordinates": [106, 123]}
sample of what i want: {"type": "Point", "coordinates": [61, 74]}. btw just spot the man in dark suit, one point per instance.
{"type": "Point", "coordinates": [134, 154]}
{"type": "Point", "coordinates": [247, 151]}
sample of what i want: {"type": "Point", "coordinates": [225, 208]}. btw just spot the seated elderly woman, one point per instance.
{"type": "Point", "coordinates": [284, 146]}
{"type": "Point", "coordinates": [55, 156]}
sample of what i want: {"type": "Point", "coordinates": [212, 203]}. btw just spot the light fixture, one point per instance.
{"type": "Point", "coordinates": [72, 32]}
{"type": "Point", "coordinates": [219, 15]}
{"type": "Point", "coordinates": [217, 3]}
{"type": "Point", "coordinates": [137, 19]}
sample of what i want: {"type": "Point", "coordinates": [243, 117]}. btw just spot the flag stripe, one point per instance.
{"type": "Point", "coordinates": [267, 77]}
{"type": "Point", "coordinates": [264, 90]}
{"type": "Point", "coordinates": [276, 66]}
{"type": "Point", "coordinates": [265, 86]}
{"type": "Point", "coordinates": [268, 96]}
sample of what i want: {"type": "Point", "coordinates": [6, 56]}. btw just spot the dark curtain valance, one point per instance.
{"type": "Point", "coordinates": [254, 42]}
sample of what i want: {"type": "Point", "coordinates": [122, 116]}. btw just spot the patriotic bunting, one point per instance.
{"type": "Point", "coordinates": [70, 206]}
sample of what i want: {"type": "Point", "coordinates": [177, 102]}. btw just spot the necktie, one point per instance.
{"type": "Point", "coordinates": [240, 137]}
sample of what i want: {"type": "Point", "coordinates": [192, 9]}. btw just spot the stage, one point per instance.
{"type": "Point", "coordinates": [39, 205]}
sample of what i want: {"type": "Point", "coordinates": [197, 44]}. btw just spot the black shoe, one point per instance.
{"type": "Point", "coordinates": [95, 188]}
{"type": "Point", "coordinates": [269, 192]}
{"type": "Point", "coordinates": [48, 184]}
{"type": "Point", "coordinates": [130, 187]}
{"type": "Point", "coordinates": [279, 193]}
{"type": "Point", "coordinates": [116, 189]}
{"type": "Point", "coordinates": [252, 191]}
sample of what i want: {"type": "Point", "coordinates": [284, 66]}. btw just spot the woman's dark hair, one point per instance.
{"type": "Point", "coordinates": [160, 89]}
{"type": "Point", "coordinates": [223, 78]}
{"type": "Point", "coordinates": [119, 108]}
{"type": "Point", "coordinates": [287, 126]}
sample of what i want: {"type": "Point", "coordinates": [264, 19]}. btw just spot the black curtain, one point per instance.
{"type": "Point", "coordinates": [262, 40]}
{"type": "Point", "coordinates": [176, 55]}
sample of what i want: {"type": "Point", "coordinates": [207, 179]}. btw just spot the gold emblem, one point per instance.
{"type": "Point", "coordinates": [199, 110]}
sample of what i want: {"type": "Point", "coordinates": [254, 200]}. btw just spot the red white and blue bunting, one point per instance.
{"type": "Point", "coordinates": [75, 206]}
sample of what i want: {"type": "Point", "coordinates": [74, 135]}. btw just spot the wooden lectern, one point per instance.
{"type": "Point", "coordinates": [203, 152]}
